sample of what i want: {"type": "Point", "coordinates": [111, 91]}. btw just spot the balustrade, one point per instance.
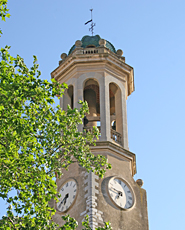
{"type": "Point", "coordinates": [116, 136]}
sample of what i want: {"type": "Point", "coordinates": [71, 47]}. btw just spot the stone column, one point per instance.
{"type": "Point", "coordinates": [104, 109]}
{"type": "Point", "coordinates": [119, 114]}
{"type": "Point", "coordinates": [78, 95]}
{"type": "Point", "coordinates": [124, 119]}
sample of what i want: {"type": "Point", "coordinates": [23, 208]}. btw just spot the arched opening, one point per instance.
{"type": "Point", "coordinates": [91, 95]}
{"type": "Point", "coordinates": [113, 125]}
{"type": "Point", "coordinates": [115, 113]}
{"type": "Point", "coordinates": [68, 97]}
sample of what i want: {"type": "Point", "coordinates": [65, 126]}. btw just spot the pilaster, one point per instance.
{"type": "Point", "coordinates": [104, 109]}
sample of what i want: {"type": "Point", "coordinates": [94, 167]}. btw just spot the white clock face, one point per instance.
{"type": "Point", "coordinates": [68, 193]}
{"type": "Point", "coordinates": [120, 193]}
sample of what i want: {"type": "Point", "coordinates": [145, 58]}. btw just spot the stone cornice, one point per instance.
{"type": "Point", "coordinates": [104, 57]}
{"type": "Point", "coordinates": [119, 150]}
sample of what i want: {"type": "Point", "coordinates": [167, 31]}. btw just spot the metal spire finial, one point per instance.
{"type": "Point", "coordinates": [92, 23]}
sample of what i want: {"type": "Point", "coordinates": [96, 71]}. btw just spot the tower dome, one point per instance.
{"type": "Point", "coordinates": [93, 41]}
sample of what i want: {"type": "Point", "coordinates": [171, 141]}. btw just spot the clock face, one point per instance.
{"type": "Point", "coordinates": [68, 193]}
{"type": "Point", "coordinates": [120, 193]}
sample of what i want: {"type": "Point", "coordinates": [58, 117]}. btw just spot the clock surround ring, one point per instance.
{"type": "Point", "coordinates": [129, 189]}
{"type": "Point", "coordinates": [70, 179]}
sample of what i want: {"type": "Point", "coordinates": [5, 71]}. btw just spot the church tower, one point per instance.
{"type": "Point", "coordinates": [95, 72]}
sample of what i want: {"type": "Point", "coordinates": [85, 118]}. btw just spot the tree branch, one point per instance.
{"type": "Point", "coordinates": [2, 144]}
{"type": "Point", "coordinates": [11, 222]}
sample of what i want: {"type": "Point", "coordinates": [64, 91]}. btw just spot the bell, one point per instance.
{"type": "Point", "coordinates": [90, 97]}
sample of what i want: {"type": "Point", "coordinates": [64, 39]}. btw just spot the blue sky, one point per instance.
{"type": "Point", "coordinates": [152, 37]}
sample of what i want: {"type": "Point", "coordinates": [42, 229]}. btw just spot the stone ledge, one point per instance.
{"type": "Point", "coordinates": [119, 150]}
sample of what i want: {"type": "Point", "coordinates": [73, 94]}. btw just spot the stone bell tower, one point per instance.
{"type": "Point", "coordinates": [97, 73]}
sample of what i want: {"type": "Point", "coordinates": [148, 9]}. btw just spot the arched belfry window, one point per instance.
{"type": "Point", "coordinates": [91, 95]}
{"type": "Point", "coordinates": [112, 91]}
{"type": "Point", "coordinates": [68, 97]}
{"type": "Point", "coordinates": [116, 118]}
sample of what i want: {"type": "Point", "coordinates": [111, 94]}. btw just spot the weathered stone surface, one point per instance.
{"type": "Point", "coordinates": [96, 62]}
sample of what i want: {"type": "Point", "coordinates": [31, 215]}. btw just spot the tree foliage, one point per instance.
{"type": "Point", "coordinates": [3, 11]}
{"type": "Point", "coordinates": [37, 141]}
{"type": "Point", "coordinates": [71, 224]}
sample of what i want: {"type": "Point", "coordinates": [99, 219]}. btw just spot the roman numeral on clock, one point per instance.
{"type": "Point", "coordinates": [129, 202]}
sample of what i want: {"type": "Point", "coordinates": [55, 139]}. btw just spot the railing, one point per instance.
{"type": "Point", "coordinates": [116, 136]}
{"type": "Point", "coordinates": [90, 129]}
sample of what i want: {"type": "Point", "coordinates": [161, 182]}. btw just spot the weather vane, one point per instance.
{"type": "Point", "coordinates": [92, 23]}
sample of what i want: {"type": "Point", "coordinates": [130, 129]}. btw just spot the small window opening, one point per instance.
{"type": "Point", "coordinates": [113, 125]}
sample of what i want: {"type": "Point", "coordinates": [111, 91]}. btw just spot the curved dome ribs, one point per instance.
{"type": "Point", "coordinates": [92, 41]}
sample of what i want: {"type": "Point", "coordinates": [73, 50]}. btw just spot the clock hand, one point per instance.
{"type": "Point", "coordinates": [61, 203]}
{"type": "Point", "coordinates": [64, 200]}
{"type": "Point", "coordinates": [117, 196]}
{"type": "Point", "coordinates": [119, 192]}
{"type": "Point", "coordinates": [66, 196]}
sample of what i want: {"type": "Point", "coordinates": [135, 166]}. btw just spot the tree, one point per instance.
{"type": "Point", "coordinates": [37, 141]}
{"type": "Point", "coordinates": [3, 11]}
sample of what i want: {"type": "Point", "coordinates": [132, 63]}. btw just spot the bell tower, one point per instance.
{"type": "Point", "coordinates": [95, 72]}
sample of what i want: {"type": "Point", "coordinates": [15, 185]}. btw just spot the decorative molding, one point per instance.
{"type": "Point", "coordinates": [79, 57]}
{"type": "Point", "coordinates": [116, 148]}
{"type": "Point", "coordinates": [91, 189]}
